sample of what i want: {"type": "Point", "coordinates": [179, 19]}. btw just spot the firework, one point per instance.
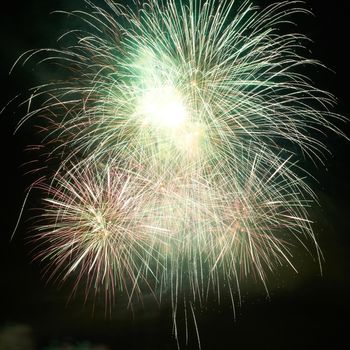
{"type": "Point", "coordinates": [177, 138]}
{"type": "Point", "coordinates": [94, 227]}
{"type": "Point", "coordinates": [154, 83]}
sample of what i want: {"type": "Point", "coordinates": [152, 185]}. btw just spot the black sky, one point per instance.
{"type": "Point", "coordinates": [304, 311]}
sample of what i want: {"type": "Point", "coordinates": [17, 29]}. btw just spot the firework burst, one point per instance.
{"type": "Point", "coordinates": [177, 136]}
{"type": "Point", "coordinates": [94, 227]}
{"type": "Point", "coordinates": [159, 81]}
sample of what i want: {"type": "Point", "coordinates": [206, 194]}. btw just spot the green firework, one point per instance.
{"type": "Point", "coordinates": [177, 137]}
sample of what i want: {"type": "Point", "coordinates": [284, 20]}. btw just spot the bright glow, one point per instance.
{"type": "Point", "coordinates": [163, 106]}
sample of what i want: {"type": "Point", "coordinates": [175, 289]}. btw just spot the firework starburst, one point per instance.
{"type": "Point", "coordinates": [177, 137]}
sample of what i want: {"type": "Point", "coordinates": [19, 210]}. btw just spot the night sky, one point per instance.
{"type": "Point", "coordinates": [304, 311]}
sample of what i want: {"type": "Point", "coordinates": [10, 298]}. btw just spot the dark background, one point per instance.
{"type": "Point", "coordinates": [305, 310]}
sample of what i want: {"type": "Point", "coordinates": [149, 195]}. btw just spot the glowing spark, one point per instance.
{"type": "Point", "coordinates": [163, 107]}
